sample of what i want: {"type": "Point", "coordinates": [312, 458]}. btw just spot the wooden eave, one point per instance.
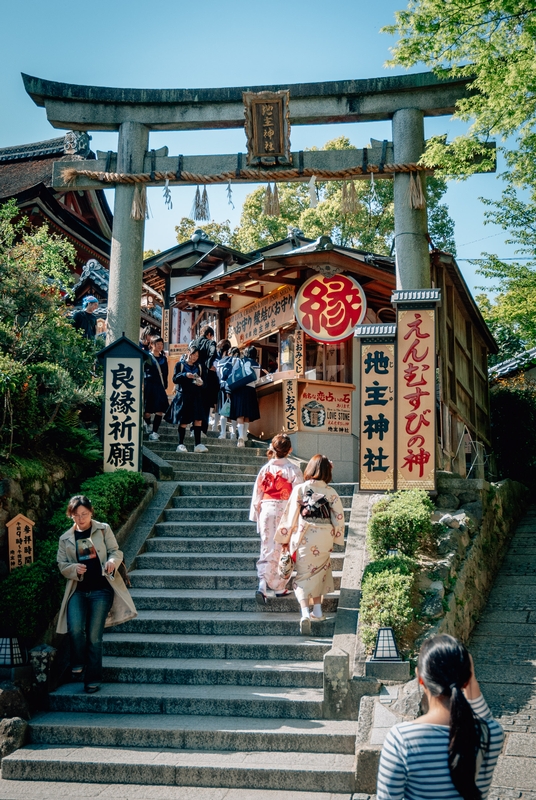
{"type": "Point", "coordinates": [379, 282]}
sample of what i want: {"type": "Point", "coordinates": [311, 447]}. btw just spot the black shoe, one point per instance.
{"type": "Point", "coordinates": [91, 688]}
{"type": "Point", "coordinates": [260, 598]}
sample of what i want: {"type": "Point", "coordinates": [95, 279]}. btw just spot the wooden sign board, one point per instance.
{"type": "Point", "coordinates": [20, 541]}
{"type": "Point", "coordinates": [325, 409]}
{"type": "Point", "coordinates": [262, 317]}
{"type": "Point", "coordinates": [267, 127]}
{"type": "Point", "coordinates": [416, 396]}
{"type": "Point", "coordinates": [290, 406]}
{"type": "Point", "coordinates": [123, 380]}
{"type": "Point", "coordinates": [377, 439]}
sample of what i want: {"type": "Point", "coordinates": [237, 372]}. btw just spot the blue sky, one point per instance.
{"type": "Point", "coordinates": [211, 44]}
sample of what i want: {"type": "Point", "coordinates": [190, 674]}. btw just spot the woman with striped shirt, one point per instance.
{"type": "Point", "coordinates": [451, 751]}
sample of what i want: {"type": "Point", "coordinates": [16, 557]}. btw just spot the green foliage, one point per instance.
{"type": "Point", "coordinates": [46, 378]}
{"type": "Point", "coordinates": [513, 429]}
{"type": "Point", "coordinates": [402, 523]}
{"type": "Point", "coordinates": [30, 596]}
{"type": "Point", "coordinates": [402, 565]}
{"type": "Point", "coordinates": [371, 228]}
{"type": "Point", "coordinates": [385, 602]}
{"type": "Point", "coordinates": [114, 495]}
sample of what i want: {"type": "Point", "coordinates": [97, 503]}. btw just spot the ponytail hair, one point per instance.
{"type": "Point", "coordinates": [280, 447]}
{"type": "Point", "coordinates": [445, 668]}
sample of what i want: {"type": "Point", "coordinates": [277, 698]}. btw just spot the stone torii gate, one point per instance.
{"type": "Point", "coordinates": [405, 100]}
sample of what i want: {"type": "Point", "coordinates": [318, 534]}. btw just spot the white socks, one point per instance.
{"type": "Point", "coordinates": [216, 423]}
{"type": "Point", "coordinates": [242, 431]}
{"type": "Point", "coordinates": [233, 427]}
{"type": "Point", "coordinates": [317, 609]}
{"type": "Point", "coordinates": [305, 613]}
{"type": "Point", "coordinates": [223, 425]}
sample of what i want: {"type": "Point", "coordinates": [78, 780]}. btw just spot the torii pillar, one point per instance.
{"type": "Point", "coordinates": [126, 258]}
{"type": "Point", "coordinates": [411, 224]}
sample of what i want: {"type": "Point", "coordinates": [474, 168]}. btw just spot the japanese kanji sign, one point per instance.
{"type": "Point", "coordinates": [328, 309]}
{"type": "Point", "coordinates": [20, 541]}
{"type": "Point", "coordinates": [299, 352]}
{"type": "Point", "coordinates": [122, 413]}
{"type": "Point", "coordinates": [325, 409]}
{"type": "Point", "coordinates": [267, 127]}
{"type": "Point", "coordinates": [416, 398]}
{"type": "Point", "coordinates": [377, 437]}
{"type": "Point", "coordinates": [290, 406]}
{"type": "Point", "coordinates": [165, 326]}
{"type": "Point", "coordinates": [261, 317]}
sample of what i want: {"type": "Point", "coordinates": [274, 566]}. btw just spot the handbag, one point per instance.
{"type": "Point", "coordinates": [285, 565]}
{"type": "Point", "coordinates": [226, 408]}
{"type": "Point", "coordinates": [242, 373]}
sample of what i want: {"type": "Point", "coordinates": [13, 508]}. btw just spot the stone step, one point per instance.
{"type": "Point", "coordinates": [216, 514]}
{"type": "Point", "coordinates": [218, 455]}
{"type": "Point", "coordinates": [209, 561]}
{"type": "Point", "coordinates": [249, 543]}
{"type": "Point", "coordinates": [213, 671]}
{"type": "Point", "coordinates": [205, 463]}
{"type": "Point", "coordinates": [150, 698]}
{"type": "Point", "coordinates": [215, 489]}
{"type": "Point", "coordinates": [223, 623]}
{"type": "Point", "coordinates": [197, 529]}
{"type": "Point", "coordinates": [215, 600]}
{"type": "Point", "coordinates": [301, 771]}
{"type": "Point", "coordinates": [201, 579]}
{"type": "Point", "coordinates": [187, 474]}
{"type": "Point", "coordinates": [260, 648]}
{"type": "Point", "coordinates": [185, 732]}
{"type": "Point", "coordinates": [231, 502]}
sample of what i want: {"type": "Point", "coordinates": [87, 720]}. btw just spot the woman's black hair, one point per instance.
{"type": "Point", "coordinates": [192, 348]}
{"type": "Point", "coordinates": [77, 501]}
{"type": "Point", "coordinates": [156, 339]}
{"type": "Point", "coordinates": [251, 352]}
{"type": "Point", "coordinates": [235, 352]}
{"type": "Point", "coordinates": [445, 667]}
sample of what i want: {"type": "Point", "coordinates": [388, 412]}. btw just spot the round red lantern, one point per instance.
{"type": "Point", "coordinates": [328, 309]}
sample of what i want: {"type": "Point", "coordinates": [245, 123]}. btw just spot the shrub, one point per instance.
{"type": "Point", "coordinates": [402, 565]}
{"type": "Point", "coordinates": [385, 602]}
{"type": "Point", "coordinates": [403, 523]}
{"type": "Point", "coordinates": [30, 596]}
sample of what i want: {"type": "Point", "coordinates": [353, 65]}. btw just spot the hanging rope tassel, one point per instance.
{"type": "Point", "coordinates": [417, 199]}
{"type": "Point", "coordinates": [167, 195]}
{"type": "Point", "coordinates": [139, 203]}
{"type": "Point", "coordinates": [230, 195]}
{"type": "Point", "coordinates": [205, 206]}
{"type": "Point", "coordinates": [313, 198]}
{"type": "Point", "coordinates": [353, 202]}
{"type": "Point", "coordinates": [276, 211]}
{"type": "Point", "coordinates": [344, 198]}
{"type": "Point", "coordinates": [267, 209]}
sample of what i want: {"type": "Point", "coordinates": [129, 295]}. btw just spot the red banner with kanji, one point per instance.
{"type": "Point", "coordinates": [416, 399]}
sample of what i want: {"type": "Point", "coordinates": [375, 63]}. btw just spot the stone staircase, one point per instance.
{"type": "Point", "coordinates": [203, 688]}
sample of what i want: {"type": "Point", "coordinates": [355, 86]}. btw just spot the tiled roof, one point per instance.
{"type": "Point", "coordinates": [33, 150]}
{"type": "Point", "coordinates": [523, 361]}
{"type": "Point", "coordinates": [18, 176]}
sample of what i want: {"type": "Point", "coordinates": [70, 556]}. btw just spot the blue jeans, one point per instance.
{"type": "Point", "coordinates": [86, 615]}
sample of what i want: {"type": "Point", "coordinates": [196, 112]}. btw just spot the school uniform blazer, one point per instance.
{"type": "Point", "coordinates": [123, 607]}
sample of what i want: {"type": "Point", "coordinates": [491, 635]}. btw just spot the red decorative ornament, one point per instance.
{"type": "Point", "coordinates": [328, 309]}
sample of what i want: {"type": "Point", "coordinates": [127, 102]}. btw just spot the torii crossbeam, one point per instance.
{"type": "Point", "coordinates": [404, 99]}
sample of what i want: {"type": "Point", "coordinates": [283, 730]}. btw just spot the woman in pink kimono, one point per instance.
{"type": "Point", "coordinates": [271, 492]}
{"type": "Point", "coordinates": [312, 521]}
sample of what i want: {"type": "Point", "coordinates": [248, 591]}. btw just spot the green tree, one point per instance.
{"type": "Point", "coordinates": [45, 365]}
{"type": "Point", "coordinates": [492, 42]}
{"type": "Point", "coordinates": [370, 228]}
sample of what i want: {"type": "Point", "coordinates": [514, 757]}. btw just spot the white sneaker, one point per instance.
{"type": "Point", "coordinates": [154, 437]}
{"type": "Point", "coordinates": [200, 448]}
{"type": "Point", "coordinates": [147, 427]}
{"type": "Point", "coordinates": [240, 443]}
{"type": "Point", "coordinates": [181, 449]}
{"type": "Point", "coordinates": [232, 436]}
{"type": "Point", "coordinates": [222, 436]}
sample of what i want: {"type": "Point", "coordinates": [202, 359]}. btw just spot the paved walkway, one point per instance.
{"type": "Point", "coordinates": [504, 649]}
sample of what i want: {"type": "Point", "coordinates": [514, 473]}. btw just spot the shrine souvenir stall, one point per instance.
{"type": "Point", "coordinates": [298, 303]}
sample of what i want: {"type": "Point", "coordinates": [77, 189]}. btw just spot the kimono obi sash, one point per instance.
{"type": "Point", "coordinates": [275, 487]}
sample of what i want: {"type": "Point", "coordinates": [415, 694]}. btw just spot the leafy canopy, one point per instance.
{"type": "Point", "coordinates": [371, 228]}
{"type": "Point", "coordinates": [45, 365]}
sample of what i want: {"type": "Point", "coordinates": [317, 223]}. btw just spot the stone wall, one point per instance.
{"type": "Point", "coordinates": [34, 498]}
{"type": "Point", "coordinates": [478, 520]}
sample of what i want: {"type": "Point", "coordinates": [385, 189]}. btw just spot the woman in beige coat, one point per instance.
{"type": "Point", "coordinates": [95, 595]}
